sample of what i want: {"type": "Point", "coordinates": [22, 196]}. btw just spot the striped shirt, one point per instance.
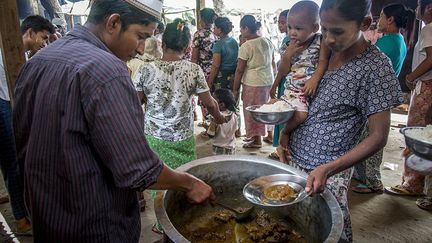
{"type": "Point", "coordinates": [79, 132]}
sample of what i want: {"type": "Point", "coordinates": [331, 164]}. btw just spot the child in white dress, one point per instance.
{"type": "Point", "coordinates": [224, 139]}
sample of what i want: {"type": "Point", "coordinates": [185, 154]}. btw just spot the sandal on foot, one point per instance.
{"type": "Point", "coordinates": [251, 145]}
{"type": "Point", "coordinates": [274, 155]}
{"type": "Point", "coordinates": [268, 140]}
{"type": "Point", "coordinates": [247, 139]}
{"type": "Point", "coordinates": [155, 228]}
{"type": "Point", "coordinates": [364, 189]}
{"type": "Point", "coordinates": [425, 203]}
{"type": "Point", "coordinates": [205, 135]}
{"type": "Point", "coordinates": [4, 199]}
{"type": "Point", "coordinates": [401, 191]}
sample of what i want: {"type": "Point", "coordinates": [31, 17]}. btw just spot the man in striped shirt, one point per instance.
{"type": "Point", "coordinates": [79, 132]}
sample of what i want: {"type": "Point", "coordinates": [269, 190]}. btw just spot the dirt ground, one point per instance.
{"type": "Point", "coordinates": [375, 217]}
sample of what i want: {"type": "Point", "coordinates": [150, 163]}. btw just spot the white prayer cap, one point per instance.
{"type": "Point", "coordinates": [153, 7]}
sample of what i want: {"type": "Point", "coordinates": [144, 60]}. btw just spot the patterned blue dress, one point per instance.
{"type": "Point", "coordinates": [345, 99]}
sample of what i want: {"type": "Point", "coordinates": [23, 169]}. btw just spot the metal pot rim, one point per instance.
{"type": "Point", "coordinates": [175, 236]}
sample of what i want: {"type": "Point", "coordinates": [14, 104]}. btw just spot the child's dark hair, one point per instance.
{"type": "Point", "coordinates": [208, 15]}
{"type": "Point", "coordinates": [284, 13]}
{"type": "Point", "coordinates": [176, 35]}
{"type": "Point", "coordinates": [350, 10]}
{"type": "Point", "coordinates": [37, 23]}
{"type": "Point", "coordinates": [224, 24]}
{"type": "Point", "coordinates": [423, 5]}
{"type": "Point", "coordinates": [227, 97]}
{"type": "Point", "coordinates": [250, 22]}
{"type": "Point", "coordinates": [400, 13]}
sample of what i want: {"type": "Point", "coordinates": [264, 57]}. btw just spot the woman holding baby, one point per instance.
{"type": "Point", "coordinates": [358, 86]}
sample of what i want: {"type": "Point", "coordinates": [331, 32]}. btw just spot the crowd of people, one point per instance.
{"type": "Point", "coordinates": [85, 145]}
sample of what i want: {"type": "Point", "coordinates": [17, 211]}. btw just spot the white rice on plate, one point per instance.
{"type": "Point", "coordinates": [279, 106]}
{"type": "Point", "coordinates": [424, 134]}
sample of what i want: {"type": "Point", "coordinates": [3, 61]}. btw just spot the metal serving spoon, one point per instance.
{"type": "Point", "coordinates": [239, 215]}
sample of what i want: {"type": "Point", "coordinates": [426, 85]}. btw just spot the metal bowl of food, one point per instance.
{"type": "Point", "coordinates": [416, 139]}
{"type": "Point", "coordinates": [317, 219]}
{"type": "Point", "coordinates": [270, 117]}
{"type": "Point", "coordinates": [276, 190]}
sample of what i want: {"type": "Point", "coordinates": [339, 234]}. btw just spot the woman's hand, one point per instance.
{"type": "Point", "coordinates": [410, 82]}
{"type": "Point", "coordinates": [317, 179]}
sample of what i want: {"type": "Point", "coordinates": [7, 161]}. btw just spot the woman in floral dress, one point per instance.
{"type": "Point", "coordinates": [202, 45]}
{"type": "Point", "coordinates": [169, 85]}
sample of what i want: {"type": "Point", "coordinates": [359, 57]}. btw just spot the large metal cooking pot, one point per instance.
{"type": "Point", "coordinates": [318, 218]}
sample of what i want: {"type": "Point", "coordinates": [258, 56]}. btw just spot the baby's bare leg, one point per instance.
{"type": "Point", "coordinates": [298, 118]}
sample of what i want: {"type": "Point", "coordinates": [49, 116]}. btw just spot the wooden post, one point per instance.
{"type": "Point", "coordinates": [11, 41]}
{"type": "Point", "coordinates": [200, 4]}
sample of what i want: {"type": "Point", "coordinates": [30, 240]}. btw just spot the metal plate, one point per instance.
{"type": "Point", "coordinates": [270, 118]}
{"type": "Point", "coordinates": [254, 190]}
{"type": "Point", "coordinates": [417, 146]}
{"type": "Point", "coordinates": [419, 164]}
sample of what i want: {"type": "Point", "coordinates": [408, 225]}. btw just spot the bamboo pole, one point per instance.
{"type": "Point", "coordinates": [11, 41]}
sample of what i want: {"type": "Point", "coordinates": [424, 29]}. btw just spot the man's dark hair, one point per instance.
{"type": "Point", "coordinates": [37, 23]}
{"type": "Point", "coordinates": [129, 14]}
{"type": "Point", "coordinates": [177, 35]}
{"type": "Point", "coordinates": [227, 97]}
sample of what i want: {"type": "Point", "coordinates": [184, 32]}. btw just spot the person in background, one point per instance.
{"type": "Point", "coordinates": [79, 131]}
{"type": "Point", "coordinates": [12, 175]}
{"type": "Point", "coordinates": [202, 45]}
{"type": "Point", "coordinates": [159, 31]}
{"type": "Point", "coordinates": [254, 73]}
{"type": "Point", "coordinates": [420, 109]}
{"type": "Point", "coordinates": [168, 85]}
{"type": "Point", "coordinates": [225, 53]}
{"type": "Point", "coordinates": [283, 28]}
{"type": "Point", "coordinates": [152, 52]}
{"type": "Point", "coordinates": [393, 19]}
{"type": "Point", "coordinates": [60, 25]}
{"type": "Point", "coordinates": [35, 31]}
{"type": "Point", "coordinates": [359, 86]}
{"type": "Point", "coordinates": [224, 139]}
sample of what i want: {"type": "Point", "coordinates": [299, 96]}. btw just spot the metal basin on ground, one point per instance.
{"type": "Point", "coordinates": [318, 219]}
